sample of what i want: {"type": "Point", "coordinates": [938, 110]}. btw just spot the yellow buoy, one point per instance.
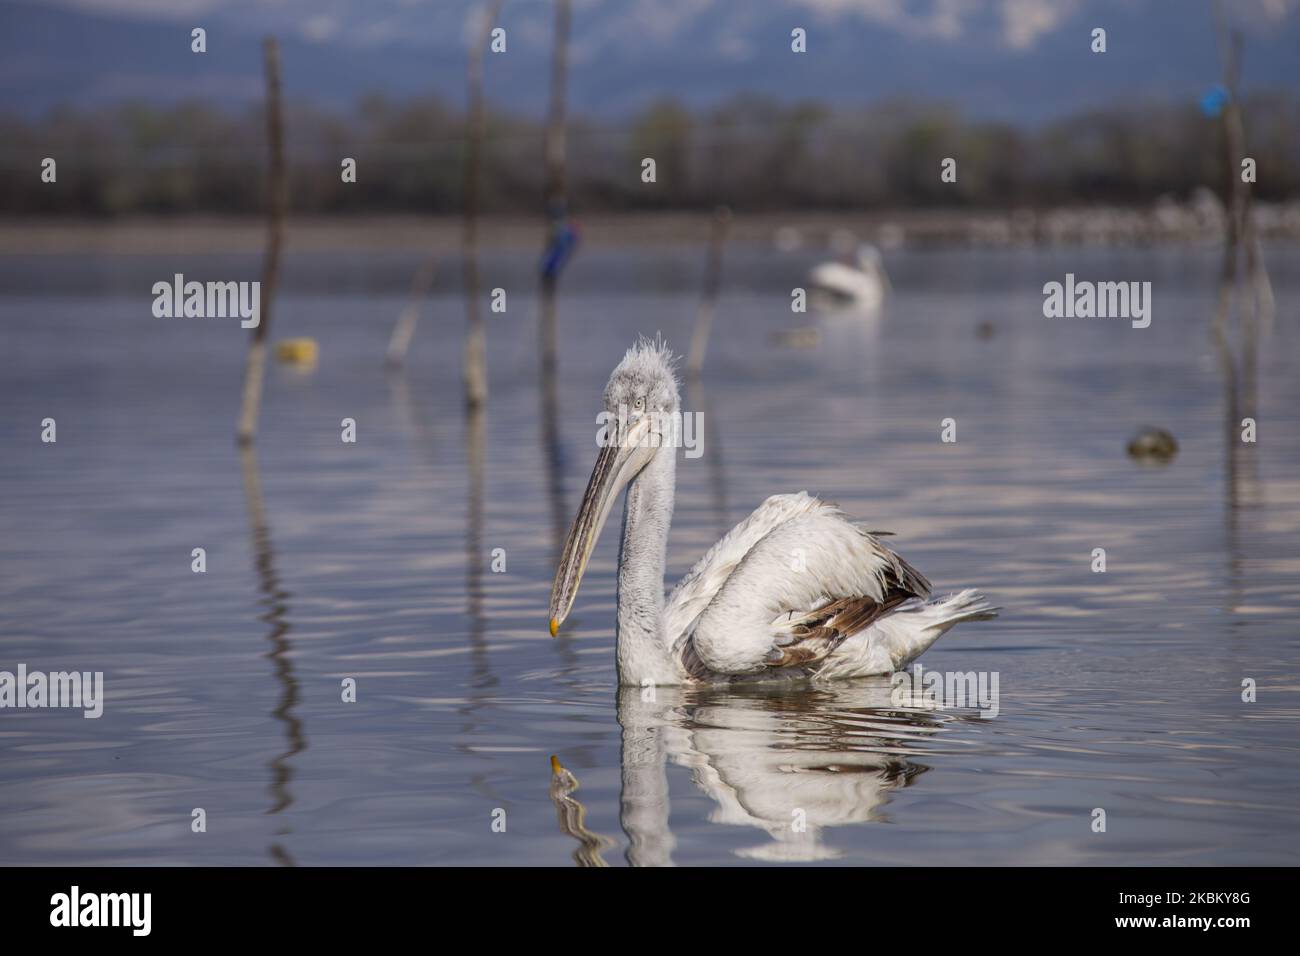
{"type": "Point", "coordinates": [296, 351]}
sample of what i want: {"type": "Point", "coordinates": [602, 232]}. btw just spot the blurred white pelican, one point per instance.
{"type": "Point", "coordinates": [796, 590]}
{"type": "Point", "coordinates": [862, 286]}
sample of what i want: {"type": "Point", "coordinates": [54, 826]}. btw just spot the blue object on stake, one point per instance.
{"type": "Point", "coordinates": [564, 239]}
{"type": "Point", "coordinates": [1213, 102]}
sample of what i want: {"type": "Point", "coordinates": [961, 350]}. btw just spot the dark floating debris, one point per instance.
{"type": "Point", "coordinates": [1153, 445]}
{"type": "Point", "coordinates": [985, 330]}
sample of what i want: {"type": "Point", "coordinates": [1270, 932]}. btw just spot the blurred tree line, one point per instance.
{"type": "Point", "coordinates": [750, 152]}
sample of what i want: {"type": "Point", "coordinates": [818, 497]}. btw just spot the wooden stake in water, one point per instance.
{"type": "Point", "coordinates": [556, 161]}
{"type": "Point", "coordinates": [555, 254]}
{"type": "Point", "coordinates": [1240, 375]}
{"type": "Point", "coordinates": [278, 198]}
{"type": "Point", "coordinates": [475, 361]}
{"type": "Point", "coordinates": [709, 300]}
{"type": "Point", "coordinates": [1242, 234]}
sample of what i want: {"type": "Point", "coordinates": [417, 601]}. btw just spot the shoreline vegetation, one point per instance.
{"type": "Point", "coordinates": [1200, 221]}
{"type": "Point", "coordinates": [751, 153]}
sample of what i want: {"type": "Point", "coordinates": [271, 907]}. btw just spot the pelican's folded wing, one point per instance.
{"type": "Point", "coordinates": [702, 582]}
{"type": "Point", "coordinates": [798, 593]}
{"type": "Point", "coordinates": [806, 638]}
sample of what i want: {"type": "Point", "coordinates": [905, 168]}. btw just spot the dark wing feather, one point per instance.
{"type": "Point", "coordinates": [808, 636]}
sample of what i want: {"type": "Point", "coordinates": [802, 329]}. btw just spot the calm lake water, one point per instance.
{"type": "Point", "coordinates": [373, 561]}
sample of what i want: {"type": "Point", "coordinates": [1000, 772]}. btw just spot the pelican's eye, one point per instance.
{"type": "Point", "coordinates": [638, 405]}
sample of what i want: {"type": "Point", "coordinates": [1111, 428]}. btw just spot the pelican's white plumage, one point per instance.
{"type": "Point", "coordinates": [796, 590]}
{"type": "Point", "coordinates": [861, 286]}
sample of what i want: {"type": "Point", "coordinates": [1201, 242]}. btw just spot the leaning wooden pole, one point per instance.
{"type": "Point", "coordinates": [404, 329]}
{"type": "Point", "coordinates": [278, 200]}
{"type": "Point", "coordinates": [475, 359]}
{"type": "Point", "coordinates": [556, 201]}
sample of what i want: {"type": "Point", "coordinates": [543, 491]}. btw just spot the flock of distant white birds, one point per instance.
{"type": "Point", "coordinates": [797, 590]}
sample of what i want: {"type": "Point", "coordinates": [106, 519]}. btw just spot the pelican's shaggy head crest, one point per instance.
{"type": "Point", "coordinates": [644, 380]}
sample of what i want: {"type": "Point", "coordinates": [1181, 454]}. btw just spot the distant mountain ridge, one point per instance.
{"type": "Point", "coordinates": [1019, 60]}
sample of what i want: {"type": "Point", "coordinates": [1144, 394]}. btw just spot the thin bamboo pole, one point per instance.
{"type": "Point", "coordinates": [556, 161]}
{"type": "Point", "coordinates": [475, 359]}
{"type": "Point", "coordinates": [1240, 366]}
{"type": "Point", "coordinates": [1242, 235]}
{"type": "Point", "coordinates": [278, 200]}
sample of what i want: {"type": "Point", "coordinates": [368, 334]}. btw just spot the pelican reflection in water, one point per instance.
{"type": "Point", "coordinates": [792, 763]}
{"type": "Point", "coordinates": [795, 591]}
{"type": "Point", "coordinates": [572, 816]}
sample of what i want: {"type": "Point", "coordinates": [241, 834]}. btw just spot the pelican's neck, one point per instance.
{"type": "Point", "coordinates": [643, 653]}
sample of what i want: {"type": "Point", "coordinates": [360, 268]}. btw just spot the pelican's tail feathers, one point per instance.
{"type": "Point", "coordinates": [968, 605]}
{"type": "Point", "coordinates": [915, 626]}
{"type": "Point", "coordinates": [895, 639]}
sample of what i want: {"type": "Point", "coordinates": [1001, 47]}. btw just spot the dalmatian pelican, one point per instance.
{"type": "Point", "coordinates": [795, 591]}
{"type": "Point", "coordinates": [861, 287]}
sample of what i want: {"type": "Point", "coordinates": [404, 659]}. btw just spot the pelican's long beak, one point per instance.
{"type": "Point", "coordinates": [616, 465]}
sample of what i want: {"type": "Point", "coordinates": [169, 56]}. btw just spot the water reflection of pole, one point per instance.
{"type": "Point", "coordinates": [553, 454]}
{"type": "Point", "coordinates": [416, 416]}
{"type": "Point", "coordinates": [475, 594]}
{"type": "Point", "coordinates": [475, 441]}
{"type": "Point", "coordinates": [475, 444]}
{"type": "Point", "coordinates": [482, 679]}
{"type": "Point", "coordinates": [275, 599]}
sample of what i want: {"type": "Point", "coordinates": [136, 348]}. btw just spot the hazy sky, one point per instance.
{"type": "Point", "coordinates": [1019, 59]}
